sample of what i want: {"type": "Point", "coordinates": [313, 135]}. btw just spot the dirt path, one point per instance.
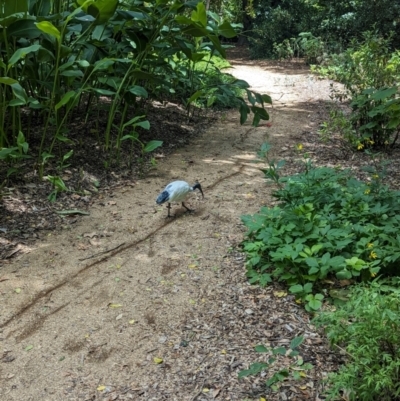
{"type": "Point", "coordinates": [80, 328]}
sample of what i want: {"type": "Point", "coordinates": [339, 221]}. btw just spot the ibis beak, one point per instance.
{"type": "Point", "coordinates": [198, 186]}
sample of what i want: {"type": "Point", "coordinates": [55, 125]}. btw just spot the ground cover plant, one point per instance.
{"type": "Point", "coordinates": [366, 328]}
{"type": "Point", "coordinates": [326, 228]}
{"type": "Point", "coordinates": [327, 225]}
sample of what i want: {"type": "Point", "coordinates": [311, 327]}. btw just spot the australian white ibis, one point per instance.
{"type": "Point", "coordinates": [177, 191]}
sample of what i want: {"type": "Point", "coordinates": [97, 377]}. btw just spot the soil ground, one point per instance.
{"type": "Point", "coordinates": [124, 304]}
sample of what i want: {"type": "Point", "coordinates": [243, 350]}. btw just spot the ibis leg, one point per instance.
{"type": "Point", "coordinates": [169, 208]}
{"type": "Point", "coordinates": [189, 210]}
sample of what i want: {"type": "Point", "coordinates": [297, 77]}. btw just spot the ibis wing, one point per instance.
{"type": "Point", "coordinates": [163, 197]}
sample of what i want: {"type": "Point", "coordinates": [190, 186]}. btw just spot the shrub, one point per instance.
{"type": "Point", "coordinates": [327, 225]}
{"type": "Point", "coordinates": [368, 328]}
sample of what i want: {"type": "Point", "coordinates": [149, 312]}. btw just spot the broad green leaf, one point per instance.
{"type": "Point", "coordinates": [65, 99]}
{"type": "Point", "coordinates": [295, 289]}
{"type": "Point", "coordinates": [261, 348]}
{"type": "Point", "coordinates": [139, 91]}
{"type": "Point", "coordinates": [7, 81]}
{"type": "Point", "coordinates": [199, 15]}
{"type": "Point", "coordinates": [22, 53]}
{"type": "Point", "coordinates": [23, 28]}
{"type": "Point", "coordinates": [104, 92]}
{"type": "Point", "coordinates": [195, 96]}
{"type": "Point", "coordinates": [103, 64]}
{"type": "Point", "coordinates": [49, 28]}
{"type": "Point", "coordinates": [102, 10]}
{"type": "Point", "coordinates": [226, 30]}
{"type": "Point", "coordinates": [150, 146]}
{"type": "Point", "coordinates": [72, 73]}
{"type": "Point", "coordinates": [315, 304]}
{"type": "Point", "coordinates": [9, 7]}
{"type": "Point", "coordinates": [384, 93]}
{"type": "Point", "coordinates": [296, 342]}
{"type": "Point", "coordinates": [19, 92]}
{"type": "Point", "coordinates": [279, 351]}
{"type": "Point", "coordinates": [253, 369]}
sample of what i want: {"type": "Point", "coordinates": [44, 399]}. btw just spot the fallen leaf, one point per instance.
{"type": "Point", "coordinates": [280, 294]}
{"type": "Point", "coordinates": [158, 360]}
{"type": "Point", "coordinates": [74, 211]}
{"type": "Point", "coordinates": [206, 390]}
{"type": "Point", "coordinates": [101, 388]}
{"type": "Point", "coordinates": [303, 374]}
{"type": "Point", "coordinates": [114, 305]}
{"type": "Point", "coordinates": [91, 235]}
{"type": "Point", "coordinates": [192, 266]}
{"type": "Point", "coordinates": [223, 352]}
{"type": "Point", "coordinates": [29, 347]}
{"type": "Point", "coordinates": [132, 321]}
{"type": "Point", "coordinates": [119, 317]}
{"type": "Point", "coordinates": [17, 290]}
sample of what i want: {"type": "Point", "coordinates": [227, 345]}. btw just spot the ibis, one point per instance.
{"type": "Point", "coordinates": [177, 191]}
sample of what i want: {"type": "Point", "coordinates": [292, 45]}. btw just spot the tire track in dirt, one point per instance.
{"type": "Point", "coordinates": [43, 294]}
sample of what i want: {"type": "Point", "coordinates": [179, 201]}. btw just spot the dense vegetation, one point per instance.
{"type": "Point", "coordinates": [333, 239]}
{"type": "Point", "coordinates": [111, 58]}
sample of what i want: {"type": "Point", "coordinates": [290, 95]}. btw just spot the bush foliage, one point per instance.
{"type": "Point", "coordinates": [367, 327]}
{"type": "Point", "coordinates": [328, 225]}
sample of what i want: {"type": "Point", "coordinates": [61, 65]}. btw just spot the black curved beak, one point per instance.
{"type": "Point", "coordinates": [198, 186]}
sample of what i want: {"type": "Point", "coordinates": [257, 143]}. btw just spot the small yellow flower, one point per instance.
{"type": "Point", "coordinates": [376, 176]}
{"type": "Point", "coordinates": [299, 146]}
{"type": "Point", "coordinates": [370, 245]}
{"type": "Point", "coordinates": [373, 274]}
{"type": "Point", "coordinates": [367, 191]}
{"type": "Point", "coordinates": [360, 146]}
{"type": "Point", "coordinates": [373, 255]}
{"type": "Point", "coordinates": [370, 141]}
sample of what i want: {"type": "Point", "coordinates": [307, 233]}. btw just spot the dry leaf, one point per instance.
{"type": "Point", "coordinates": [17, 290]}
{"type": "Point", "coordinates": [223, 352]}
{"type": "Point", "coordinates": [119, 317]}
{"type": "Point", "coordinates": [114, 305]}
{"type": "Point", "coordinates": [158, 360]}
{"type": "Point", "coordinates": [101, 388]}
{"type": "Point", "coordinates": [192, 266]}
{"type": "Point", "coordinates": [91, 235]}
{"type": "Point", "coordinates": [132, 321]}
{"type": "Point", "coordinates": [206, 390]}
{"type": "Point", "coordinates": [29, 347]}
{"type": "Point", "coordinates": [280, 294]}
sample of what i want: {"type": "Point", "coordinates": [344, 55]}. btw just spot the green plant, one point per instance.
{"type": "Point", "coordinates": [376, 115]}
{"type": "Point", "coordinates": [297, 368]}
{"type": "Point", "coordinates": [58, 186]}
{"type": "Point", "coordinates": [15, 154]}
{"type": "Point", "coordinates": [283, 50]}
{"type": "Point", "coordinates": [367, 328]}
{"type": "Point", "coordinates": [60, 57]}
{"type": "Point", "coordinates": [327, 225]}
{"type": "Point", "coordinates": [311, 46]}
